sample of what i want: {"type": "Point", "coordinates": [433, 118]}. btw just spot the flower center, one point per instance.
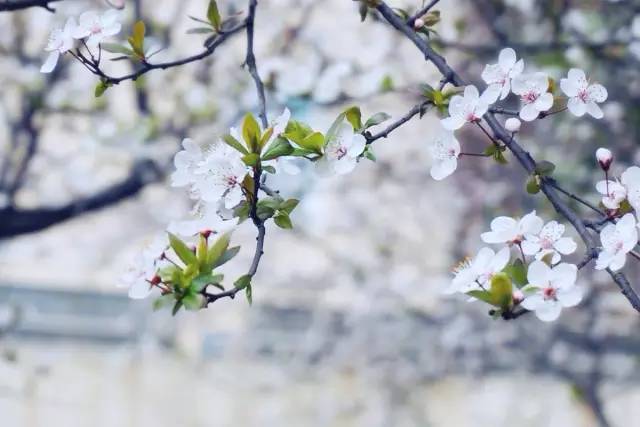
{"type": "Point", "coordinates": [529, 97]}
{"type": "Point", "coordinates": [232, 181]}
{"type": "Point", "coordinates": [95, 29]}
{"type": "Point", "coordinates": [583, 95]}
{"type": "Point", "coordinates": [549, 293]}
{"type": "Point", "coordinates": [546, 243]}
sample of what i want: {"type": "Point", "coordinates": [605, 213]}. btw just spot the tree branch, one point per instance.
{"type": "Point", "coordinates": [13, 5]}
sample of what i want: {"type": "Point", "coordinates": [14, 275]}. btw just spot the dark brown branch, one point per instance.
{"type": "Point", "coordinates": [13, 5]}
{"type": "Point", "coordinates": [417, 109]}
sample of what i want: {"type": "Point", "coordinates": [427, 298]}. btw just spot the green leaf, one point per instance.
{"type": "Point", "coordinates": [218, 249]}
{"type": "Point", "coordinates": [163, 301]}
{"type": "Point", "coordinates": [264, 212]}
{"type": "Point", "coordinates": [289, 205]}
{"type": "Point", "coordinates": [265, 137]}
{"type": "Point", "coordinates": [334, 127]}
{"type": "Point", "coordinates": [282, 220]}
{"type": "Point", "coordinates": [545, 168]}
{"type": "Point", "coordinates": [101, 88]}
{"type": "Point", "coordinates": [170, 274]}
{"type": "Point", "coordinates": [533, 184]}
{"type": "Point", "coordinates": [226, 256]}
{"type": "Point", "coordinates": [232, 142]}
{"type": "Point", "coordinates": [354, 116]}
{"type": "Point", "coordinates": [248, 291]}
{"type": "Point", "coordinates": [185, 254]}
{"type": "Point", "coordinates": [176, 308]}
{"type": "Point", "coordinates": [200, 30]}
{"type": "Point", "coordinates": [502, 290]}
{"type": "Point", "coordinates": [368, 153]}
{"type": "Point", "coordinates": [518, 272]}
{"type": "Point", "coordinates": [200, 282]}
{"type": "Point", "coordinates": [117, 48]}
{"type": "Point", "coordinates": [242, 282]}
{"type": "Point", "coordinates": [193, 302]}
{"type": "Point", "coordinates": [297, 131]}
{"type": "Point", "coordinates": [268, 169]}
{"type": "Point", "coordinates": [279, 147]}
{"type": "Point", "coordinates": [376, 119]}
{"type": "Point", "coordinates": [313, 142]}
{"type": "Point", "coordinates": [242, 210]}
{"type": "Point", "coordinates": [482, 296]}
{"type": "Point", "coordinates": [251, 132]}
{"type": "Point", "coordinates": [213, 14]}
{"type": "Point", "coordinates": [251, 159]}
{"type": "Point", "coordinates": [137, 39]}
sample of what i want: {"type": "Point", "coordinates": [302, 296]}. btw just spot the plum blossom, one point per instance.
{"type": "Point", "coordinates": [220, 174]}
{"type": "Point", "coordinates": [468, 108]}
{"type": "Point", "coordinates": [279, 125]}
{"type": "Point", "coordinates": [532, 89]}
{"type": "Point", "coordinates": [60, 41]}
{"type": "Point", "coordinates": [445, 151]}
{"type": "Point", "coordinates": [551, 289]}
{"type": "Point", "coordinates": [583, 97]}
{"type": "Point", "coordinates": [604, 157]}
{"type": "Point", "coordinates": [139, 275]}
{"type": "Point", "coordinates": [512, 124]}
{"type": "Point", "coordinates": [186, 162]}
{"type": "Point", "coordinates": [341, 151]}
{"type": "Point", "coordinates": [207, 217]}
{"type": "Point", "coordinates": [476, 273]}
{"type": "Point", "coordinates": [96, 27]}
{"type": "Point", "coordinates": [508, 230]}
{"type": "Point", "coordinates": [549, 241]}
{"type": "Point", "coordinates": [617, 241]}
{"type": "Point", "coordinates": [616, 192]}
{"type": "Point", "coordinates": [498, 76]}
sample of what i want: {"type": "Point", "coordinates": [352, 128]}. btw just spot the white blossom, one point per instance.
{"type": "Point", "coordinates": [341, 151]}
{"type": "Point", "coordinates": [284, 163]}
{"type": "Point", "coordinates": [476, 274]}
{"type": "Point", "coordinates": [616, 192]}
{"type": "Point", "coordinates": [143, 268]}
{"type": "Point", "coordinates": [468, 108]}
{"type": "Point", "coordinates": [508, 230]}
{"type": "Point", "coordinates": [445, 151]}
{"type": "Point", "coordinates": [220, 174]}
{"type": "Point", "coordinates": [498, 76]}
{"type": "Point", "coordinates": [583, 97]}
{"type": "Point", "coordinates": [604, 157]}
{"type": "Point", "coordinates": [549, 241]}
{"type": "Point", "coordinates": [207, 217]}
{"type": "Point", "coordinates": [512, 124]}
{"type": "Point", "coordinates": [186, 162]}
{"type": "Point", "coordinates": [617, 241]}
{"type": "Point", "coordinates": [551, 289]}
{"type": "Point", "coordinates": [532, 89]}
{"type": "Point", "coordinates": [96, 27]}
{"type": "Point", "coordinates": [60, 41]}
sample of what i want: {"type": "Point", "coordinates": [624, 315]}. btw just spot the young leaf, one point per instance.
{"type": "Point", "coordinates": [163, 301]}
{"type": "Point", "coordinates": [354, 116]}
{"type": "Point", "coordinates": [279, 147]}
{"type": "Point", "coordinates": [545, 168]}
{"type": "Point", "coordinates": [533, 185]}
{"type": "Point", "coordinates": [313, 142]}
{"type": "Point", "coordinates": [101, 88]}
{"type": "Point", "coordinates": [184, 253]}
{"type": "Point", "coordinates": [501, 290]}
{"type": "Point", "coordinates": [176, 308]}
{"type": "Point", "coordinates": [218, 249]}
{"type": "Point", "coordinates": [289, 205]}
{"type": "Point", "coordinates": [137, 39]}
{"type": "Point", "coordinates": [193, 302]}
{"type": "Point", "coordinates": [116, 48]}
{"type": "Point", "coordinates": [248, 291]}
{"type": "Point", "coordinates": [200, 282]}
{"type": "Point", "coordinates": [251, 159]}
{"type": "Point", "coordinates": [232, 142]}
{"type": "Point", "coordinates": [213, 14]}
{"type": "Point", "coordinates": [282, 220]}
{"type": "Point", "coordinates": [297, 131]}
{"type": "Point", "coordinates": [242, 282]}
{"type": "Point", "coordinates": [518, 272]}
{"type": "Point", "coordinates": [226, 256]}
{"type": "Point", "coordinates": [251, 132]}
{"type": "Point", "coordinates": [376, 119]}
{"type": "Point", "coordinates": [200, 30]}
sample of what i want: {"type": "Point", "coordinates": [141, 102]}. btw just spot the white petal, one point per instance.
{"type": "Point", "coordinates": [507, 58]}
{"type": "Point", "coordinates": [594, 110]}
{"type": "Point", "coordinates": [452, 123]}
{"type": "Point", "coordinates": [50, 62]}
{"type": "Point", "coordinates": [578, 77]}
{"type": "Point", "coordinates": [565, 245]}
{"type": "Point", "coordinates": [549, 311]}
{"type": "Point", "coordinates": [500, 260]}
{"type": "Point", "coordinates": [530, 223]}
{"type": "Point", "coordinates": [471, 93]}
{"type": "Point", "coordinates": [604, 259]}
{"type": "Point", "coordinates": [442, 169]}
{"type": "Point", "coordinates": [564, 275]}
{"type": "Point", "coordinates": [140, 289]}
{"type": "Point", "coordinates": [618, 261]}
{"type": "Point", "coordinates": [544, 102]}
{"type": "Point", "coordinates": [358, 142]}
{"type": "Point", "coordinates": [569, 87]}
{"type": "Point", "coordinates": [576, 107]}
{"type": "Point", "coordinates": [538, 274]}
{"type": "Point", "coordinates": [597, 92]}
{"type": "Point", "coordinates": [570, 297]}
{"type": "Point", "coordinates": [492, 93]}
{"type": "Point", "coordinates": [344, 165]}
{"type": "Point", "coordinates": [529, 113]}
{"type": "Point", "coordinates": [530, 248]}
{"type": "Point", "coordinates": [631, 177]}
{"type": "Point", "coordinates": [532, 302]}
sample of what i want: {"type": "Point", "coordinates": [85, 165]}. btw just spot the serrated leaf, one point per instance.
{"type": "Point", "coordinates": [376, 119]}
{"type": "Point", "coordinates": [354, 116]}
{"type": "Point", "coordinates": [279, 147]}
{"type": "Point", "coordinates": [282, 220]}
{"type": "Point", "coordinates": [182, 250]}
{"type": "Point", "coordinates": [213, 14]}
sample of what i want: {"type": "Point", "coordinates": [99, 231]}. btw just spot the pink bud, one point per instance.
{"type": "Point", "coordinates": [206, 233]}
{"type": "Point", "coordinates": [512, 124]}
{"type": "Point", "coordinates": [418, 23]}
{"type": "Point", "coordinates": [518, 296]}
{"type": "Point", "coordinates": [156, 280]}
{"type": "Point", "coordinates": [604, 157]}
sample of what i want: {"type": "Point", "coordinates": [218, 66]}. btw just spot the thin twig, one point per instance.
{"type": "Point", "coordinates": [421, 12]}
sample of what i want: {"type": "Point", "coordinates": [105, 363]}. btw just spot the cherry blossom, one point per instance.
{"type": "Point", "coordinates": [95, 27]}
{"type": "Point", "coordinates": [604, 158]}
{"type": "Point", "coordinates": [583, 97]}
{"type": "Point", "coordinates": [186, 162]}
{"type": "Point", "coordinates": [445, 151]}
{"type": "Point", "coordinates": [498, 76]}
{"type": "Point", "coordinates": [207, 216]}
{"type": "Point", "coordinates": [60, 41]}
{"type": "Point", "coordinates": [284, 163]}
{"type": "Point", "coordinates": [476, 273]}
{"type": "Point", "coordinates": [468, 108]}
{"type": "Point", "coordinates": [549, 241]}
{"type": "Point", "coordinates": [628, 188]}
{"type": "Point", "coordinates": [512, 124]}
{"type": "Point", "coordinates": [139, 275]}
{"type": "Point", "coordinates": [617, 241]}
{"type": "Point", "coordinates": [551, 289]}
{"type": "Point", "coordinates": [508, 230]}
{"type": "Point", "coordinates": [220, 174]}
{"type": "Point", "coordinates": [532, 89]}
{"type": "Point", "coordinates": [341, 151]}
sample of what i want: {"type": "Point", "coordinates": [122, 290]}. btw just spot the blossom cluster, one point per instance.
{"type": "Point", "coordinates": [503, 78]}
{"type": "Point", "coordinates": [91, 27]}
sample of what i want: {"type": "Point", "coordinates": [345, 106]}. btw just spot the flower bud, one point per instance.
{"type": "Point", "coordinates": [512, 124]}
{"type": "Point", "coordinates": [518, 296]}
{"type": "Point", "coordinates": [206, 233]}
{"type": "Point", "coordinates": [604, 157]}
{"type": "Point", "coordinates": [418, 23]}
{"type": "Point", "coordinates": [155, 280]}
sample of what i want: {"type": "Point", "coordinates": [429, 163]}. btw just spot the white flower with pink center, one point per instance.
{"type": "Point", "coordinates": [186, 162]}
{"type": "Point", "coordinates": [498, 76]}
{"type": "Point", "coordinates": [532, 89]}
{"type": "Point", "coordinates": [341, 151]}
{"type": "Point", "coordinates": [143, 268]}
{"type": "Point", "coordinates": [551, 289]}
{"type": "Point", "coordinates": [95, 27]}
{"type": "Point", "coordinates": [468, 108]}
{"type": "Point", "coordinates": [444, 151]}
{"type": "Point", "coordinates": [60, 41]}
{"type": "Point", "coordinates": [511, 231]}
{"type": "Point", "coordinates": [476, 273]}
{"type": "Point", "coordinates": [617, 241]}
{"type": "Point", "coordinates": [549, 241]}
{"type": "Point", "coordinates": [616, 192]}
{"type": "Point", "coordinates": [206, 217]}
{"type": "Point", "coordinates": [219, 176]}
{"type": "Point", "coordinates": [583, 97]}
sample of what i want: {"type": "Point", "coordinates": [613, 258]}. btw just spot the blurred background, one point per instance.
{"type": "Point", "coordinates": [349, 326]}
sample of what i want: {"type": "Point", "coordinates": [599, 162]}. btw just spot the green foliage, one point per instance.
{"type": "Point", "coordinates": [282, 220]}
{"type": "Point", "coordinates": [518, 272]}
{"type": "Point", "coordinates": [117, 48]}
{"type": "Point", "coordinates": [376, 119]}
{"type": "Point", "coordinates": [185, 254]}
{"type": "Point", "coordinates": [242, 282]}
{"type": "Point", "coordinates": [136, 40]}
{"type": "Point", "coordinates": [101, 88]}
{"type": "Point", "coordinates": [500, 294]}
{"type": "Point", "coordinates": [234, 143]}
{"type": "Point", "coordinates": [279, 147]}
{"type": "Point", "coordinates": [251, 133]}
{"type": "Point", "coordinates": [533, 184]}
{"type": "Point", "coordinates": [213, 14]}
{"type": "Point", "coordinates": [496, 153]}
{"type": "Point", "coordinates": [545, 168]}
{"type": "Point", "coordinates": [354, 116]}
